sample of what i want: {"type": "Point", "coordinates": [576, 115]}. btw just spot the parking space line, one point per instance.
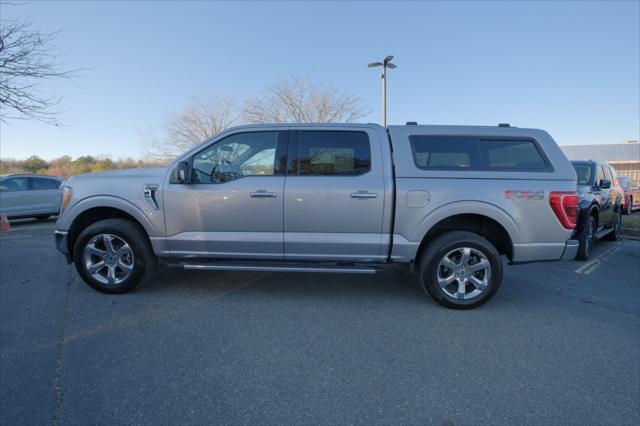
{"type": "Point", "coordinates": [590, 266]}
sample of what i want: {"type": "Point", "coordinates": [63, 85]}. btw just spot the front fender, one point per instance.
{"type": "Point", "coordinates": [150, 219]}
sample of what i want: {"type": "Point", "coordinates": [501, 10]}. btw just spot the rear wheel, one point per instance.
{"type": "Point", "coordinates": [587, 238]}
{"type": "Point", "coordinates": [460, 270]}
{"type": "Point", "coordinates": [113, 256]}
{"type": "Point", "coordinates": [629, 208]}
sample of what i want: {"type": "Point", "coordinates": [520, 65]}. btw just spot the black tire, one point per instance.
{"type": "Point", "coordinates": [614, 235]}
{"type": "Point", "coordinates": [430, 268]}
{"type": "Point", "coordinates": [629, 209]}
{"type": "Point", "coordinates": [143, 261]}
{"type": "Point", "coordinates": [586, 241]}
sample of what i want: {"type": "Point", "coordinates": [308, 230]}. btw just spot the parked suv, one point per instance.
{"type": "Point", "coordinates": [447, 201]}
{"type": "Point", "coordinates": [601, 205]}
{"type": "Point", "coordinates": [27, 195]}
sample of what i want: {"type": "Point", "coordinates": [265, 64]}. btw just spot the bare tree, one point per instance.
{"type": "Point", "coordinates": [27, 57]}
{"type": "Point", "coordinates": [300, 100]}
{"type": "Point", "coordinates": [202, 118]}
{"type": "Point", "coordinates": [295, 99]}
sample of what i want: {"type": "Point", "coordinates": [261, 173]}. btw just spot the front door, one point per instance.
{"type": "Point", "coordinates": [233, 206]}
{"type": "Point", "coordinates": [334, 197]}
{"type": "Point", "coordinates": [14, 196]}
{"type": "Point", "coordinates": [606, 202]}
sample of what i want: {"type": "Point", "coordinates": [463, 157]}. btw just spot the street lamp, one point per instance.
{"type": "Point", "coordinates": [385, 64]}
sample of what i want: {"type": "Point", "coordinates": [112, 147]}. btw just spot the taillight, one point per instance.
{"type": "Point", "coordinates": [565, 206]}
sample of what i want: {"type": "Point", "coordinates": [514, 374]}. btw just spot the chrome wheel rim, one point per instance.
{"type": "Point", "coordinates": [464, 273]}
{"type": "Point", "coordinates": [108, 259]}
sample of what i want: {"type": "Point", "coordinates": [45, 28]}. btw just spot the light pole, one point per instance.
{"type": "Point", "coordinates": [384, 64]}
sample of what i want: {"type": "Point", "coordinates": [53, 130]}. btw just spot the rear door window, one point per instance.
{"type": "Point", "coordinates": [333, 153]}
{"type": "Point", "coordinates": [583, 171]}
{"type": "Point", "coordinates": [607, 173]}
{"type": "Point", "coordinates": [476, 153]}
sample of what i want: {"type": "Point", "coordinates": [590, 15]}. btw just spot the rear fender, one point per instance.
{"type": "Point", "coordinates": [469, 207]}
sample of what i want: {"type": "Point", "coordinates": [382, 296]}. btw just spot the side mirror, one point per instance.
{"type": "Point", "coordinates": [604, 183]}
{"type": "Point", "coordinates": [183, 172]}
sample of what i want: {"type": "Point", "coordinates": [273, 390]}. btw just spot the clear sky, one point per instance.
{"type": "Point", "coordinates": [571, 68]}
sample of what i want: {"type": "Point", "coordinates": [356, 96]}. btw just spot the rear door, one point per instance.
{"type": "Point", "coordinates": [334, 196]}
{"type": "Point", "coordinates": [44, 194]}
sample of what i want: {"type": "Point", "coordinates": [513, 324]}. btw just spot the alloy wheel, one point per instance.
{"type": "Point", "coordinates": [108, 259]}
{"type": "Point", "coordinates": [464, 273]}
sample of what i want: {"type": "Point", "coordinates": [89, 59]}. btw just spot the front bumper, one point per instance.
{"type": "Point", "coordinates": [61, 239]}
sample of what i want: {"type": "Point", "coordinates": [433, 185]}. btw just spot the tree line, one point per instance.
{"type": "Point", "coordinates": [66, 166]}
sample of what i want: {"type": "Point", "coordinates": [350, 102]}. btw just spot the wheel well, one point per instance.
{"type": "Point", "coordinates": [94, 215]}
{"type": "Point", "coordinates": [478, 224]}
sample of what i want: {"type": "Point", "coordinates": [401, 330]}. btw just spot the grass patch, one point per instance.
{"type": "Point", "coordinates": [631, 225]}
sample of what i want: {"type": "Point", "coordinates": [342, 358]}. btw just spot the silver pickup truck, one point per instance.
{"type": "Point", "coordinates": [448, 201]}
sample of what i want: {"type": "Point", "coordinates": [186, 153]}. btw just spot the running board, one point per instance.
{"type": "Point", "coordinates": [274, 267]}
{"type": "Point", "coordinates": [603, 232]}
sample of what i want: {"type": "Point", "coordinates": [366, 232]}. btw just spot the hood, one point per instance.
{"type": "Point", "coordinates": [585, 188]}
{"type": "Point", "coordinates": [149, 173]}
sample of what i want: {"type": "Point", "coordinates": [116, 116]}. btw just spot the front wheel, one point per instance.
{"type": "Point", "coordinates": [113, 256]}
{"type": "Point", "coordinates": [614, 235]}
{"type": "Point", "coordinates": [460, 270]}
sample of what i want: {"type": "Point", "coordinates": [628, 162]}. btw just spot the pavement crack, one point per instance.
{"type": "Point", "coordinates": [58, 395]}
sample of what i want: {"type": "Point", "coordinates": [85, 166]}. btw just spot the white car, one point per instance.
{"type": "Point", "coordinates": [29, 195]}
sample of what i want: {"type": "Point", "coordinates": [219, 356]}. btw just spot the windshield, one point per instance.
{"type": "Point", "coordinates": [584, 173]}
{"type": "Point", "coordinates": [624, 182]}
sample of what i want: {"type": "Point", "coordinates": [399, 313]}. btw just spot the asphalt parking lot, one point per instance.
{"type": "Point", "coordinates": [555, 346]}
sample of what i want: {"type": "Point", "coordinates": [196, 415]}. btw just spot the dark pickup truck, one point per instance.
{"type": "Point", "coordinates": [601, 204]}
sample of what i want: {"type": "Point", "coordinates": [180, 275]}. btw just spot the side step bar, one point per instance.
{"type": "Point", "coordinates": [274, 267]}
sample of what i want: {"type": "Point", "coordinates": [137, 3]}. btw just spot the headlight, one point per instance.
{"type": "Point", "coordinates": [66, 197]}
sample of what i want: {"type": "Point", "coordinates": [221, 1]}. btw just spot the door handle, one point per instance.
{"type": "Point", "coordinates": [259, 194]}
{"type": "Point", "coordinates": [363, 194]}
